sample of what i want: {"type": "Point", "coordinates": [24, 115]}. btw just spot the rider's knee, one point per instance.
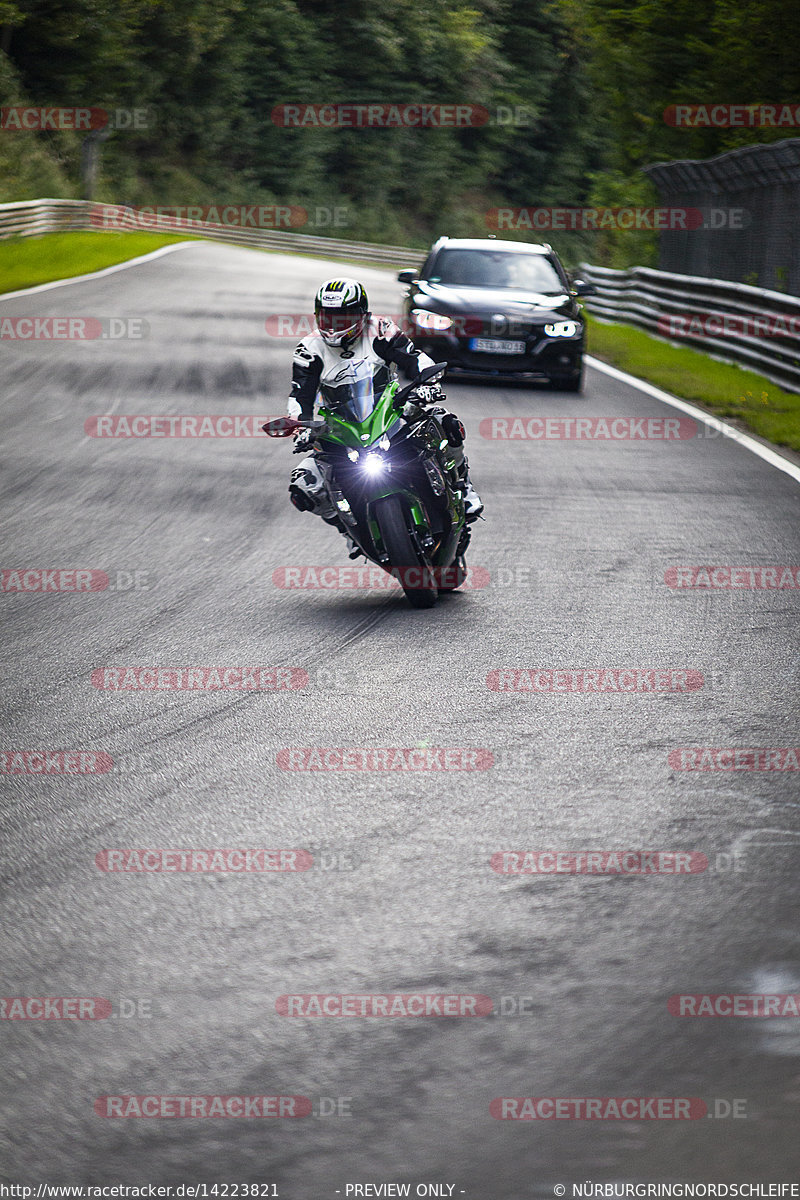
{"type": "Point", "coordinates": [307, 490]}
{"type": "Point", "coordinates": [454, 429]}
{"type": "Point", "coordinates": [300, 499]}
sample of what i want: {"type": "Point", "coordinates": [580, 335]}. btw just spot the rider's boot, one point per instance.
{"type": "Point", "coordinates": [473, 505]}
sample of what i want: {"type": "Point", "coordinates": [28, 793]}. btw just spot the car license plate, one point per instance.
{"type": "Point", "coordinates": [496, 346]}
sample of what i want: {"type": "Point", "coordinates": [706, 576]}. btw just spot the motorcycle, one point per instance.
{"type": "Point", "coordinates": [388, 469]}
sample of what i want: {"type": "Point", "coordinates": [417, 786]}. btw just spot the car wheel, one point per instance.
{"type": "Point", "coordinates": [572, 383]}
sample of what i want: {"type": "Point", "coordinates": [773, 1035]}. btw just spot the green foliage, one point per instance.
{"type": "Point", "coordinates": [28, 167]}
{"type": "Point", "coordinates": [590, 78]}
{"type": "Point", "coordinates": [210, 73]}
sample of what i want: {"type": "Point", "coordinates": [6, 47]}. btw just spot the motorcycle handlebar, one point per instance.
{"type": "Point", "coordinates": [286, 426]}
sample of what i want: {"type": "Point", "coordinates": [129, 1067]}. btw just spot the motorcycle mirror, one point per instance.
{"type": "Point", "coordinates": [281, 427]}
{"type": "Point", "coordinates": [430, 374]}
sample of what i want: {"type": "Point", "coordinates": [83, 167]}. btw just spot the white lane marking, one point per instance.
{"type": "Point", "coordinates": [131, 262]}
{"type": "Point", "coordinates": [774, 458]}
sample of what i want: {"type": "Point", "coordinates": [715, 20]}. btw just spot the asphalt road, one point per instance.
{"type": "Point", "coordinates": [577, 538]}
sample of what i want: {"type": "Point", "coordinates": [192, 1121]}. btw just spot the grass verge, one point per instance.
{"type": "Point", "coordinates": [24, 262]}
{"type": "Point", "coordinates": [728, 391]}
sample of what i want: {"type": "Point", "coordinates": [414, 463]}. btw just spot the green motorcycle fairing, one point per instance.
{"type": "Point", "coordinates": [357, 405]}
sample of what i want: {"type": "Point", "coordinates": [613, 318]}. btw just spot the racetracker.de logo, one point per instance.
{"type": "Point", "coordinates": [735, 758]}
{"type": "Point", "coordinates": [597, 1108]}
{"type": "Point", "coordinates": [728, 325]}
{"type": "Point", "coordinates": [587, 429]}
{"type": "Point", "coordinates": [52, 579]}
{"type": "Point", "coordinates": [199, 679]}
{"type": "Point", "coordinates": [203, 1106]}
{"type": "Point", "coordinates": [159, 861]}
{"type": "Point", "coordinates": [295, 326]}
{"type": "Point", "coordinates": [189, 217]}
{"type": "Point", "coordinates": [379, 116]}
{"type": "Point", "coordinates": [750, 1004]}
{"type": "Point", "coordinates": [349, 578]}
{"type": "Point", "coordinates": [598, 862]}
{"type": "Point", "coordinates": [571, 220]}
{"type": "Point", "coordinates": [54, 762]}
{"type": "Point", "coordinates": [187, 425]}
{"type": "Point", "coordinates": [72, 329]}
{"type": "Point", "coordinates": [587, 681]}
{"type": "Point", "coordinates": [391, 1004]}
{"type": "Point", "coordinates": [733, 116]}
{"type": "Point", "coordinates": [54, 1008]}
{"type": "Point", "coordinates": [387, 758]}
{"type": "Point", "coordinates": [22, 117]}
{"type": "Point", "coordinates": [733, 578]}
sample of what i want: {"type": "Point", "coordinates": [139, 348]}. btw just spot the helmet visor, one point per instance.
{"type": "Point", "coordinates": [338, 321]}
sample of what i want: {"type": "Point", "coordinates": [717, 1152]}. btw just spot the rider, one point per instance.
{"type": "Point", "coordinates": [346, 329]}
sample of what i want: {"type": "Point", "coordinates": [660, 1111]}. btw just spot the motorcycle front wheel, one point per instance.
{"type": "Point", "coordinates": [404, 558]}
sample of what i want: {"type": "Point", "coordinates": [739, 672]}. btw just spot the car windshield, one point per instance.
{"type": "Point", "coordinates": [354, 389]}
{"type": "Point", "coordinates": [496, 269]}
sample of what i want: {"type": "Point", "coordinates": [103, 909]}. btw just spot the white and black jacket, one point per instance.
{"type": "Point", "coordinates": [314, 360]}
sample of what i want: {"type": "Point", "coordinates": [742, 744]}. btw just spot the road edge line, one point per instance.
{"type": "Point", "coordinates": [773, 457]}
{"type": "Point", "coordinates": [129, 262]}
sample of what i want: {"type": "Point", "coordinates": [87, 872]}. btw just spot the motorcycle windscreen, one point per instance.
{"type": "Point", "coordinates": [352, 390]}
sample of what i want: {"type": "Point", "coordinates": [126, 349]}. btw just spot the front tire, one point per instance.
{"type": "Point", "coordinates": [572, 383]}
{"type": "Point", "coordinates": [403, 555]}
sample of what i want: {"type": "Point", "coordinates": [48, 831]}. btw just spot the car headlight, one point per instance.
{"type": "Point", "coordinates": [430, 320]}
{"type": "Point", "coordinates": [562, 329]}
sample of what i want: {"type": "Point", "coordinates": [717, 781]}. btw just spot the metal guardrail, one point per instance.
{"type": "Point", "coordinates": [733, 322]}
{"type": "Point", "coordinates": [31, 217]}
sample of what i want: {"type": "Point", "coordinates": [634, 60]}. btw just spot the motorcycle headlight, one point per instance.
{"type": "Point", "coordinates": [430, 320]}
{"type": "Point", "coordinates": [373, 464]}
{"type": "Point", "coordinates": [562, 329]}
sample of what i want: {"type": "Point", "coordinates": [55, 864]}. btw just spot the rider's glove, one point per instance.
{"type": "Point", "coordinates": [303, 441]}
{"type": "Point", "coordinates": [427, 393]}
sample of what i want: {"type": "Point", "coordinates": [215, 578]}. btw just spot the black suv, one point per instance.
{"type": "Point", "coordinates": [491, 307]}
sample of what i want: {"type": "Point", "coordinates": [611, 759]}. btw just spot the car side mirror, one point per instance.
{"type": "Point", "coordinates": [408, 276]}
{"type": "Point", "coordinates": [581, 288]}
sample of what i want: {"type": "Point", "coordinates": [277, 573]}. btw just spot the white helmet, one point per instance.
{"type": "Point", "coordinates": [341, 307]}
